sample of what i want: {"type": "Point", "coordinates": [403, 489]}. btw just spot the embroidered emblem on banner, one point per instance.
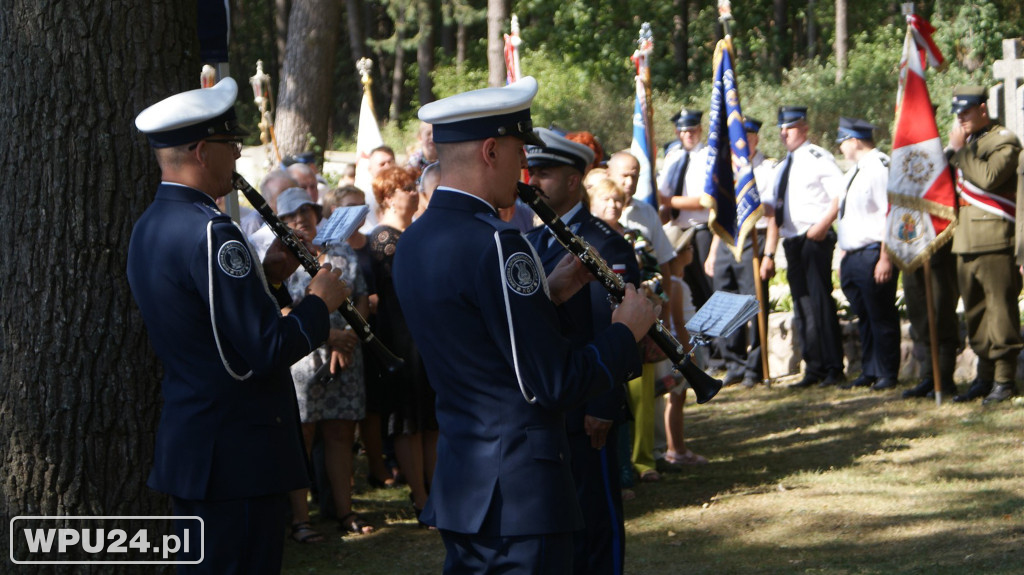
{"type": "Point", "coordinates": [521, 274]}
{"type": "Point", "coordinates": [233, 259]}
{"type": "Point", "coordinates": [917, 167]}
{"type": "Point", "coordinates": [909, 228]}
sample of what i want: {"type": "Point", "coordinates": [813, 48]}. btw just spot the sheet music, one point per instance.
{"type": "Point", "coordinates": [723, 313]}
{"type": "Point", "coordinates": [340, 225]}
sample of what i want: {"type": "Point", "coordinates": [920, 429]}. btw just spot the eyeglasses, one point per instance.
{"type": "Point", "coordinates": [236, 144]}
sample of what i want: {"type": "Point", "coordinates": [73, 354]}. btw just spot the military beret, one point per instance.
{"type": "Point", "coordinates": [558, 151]}
{"type": "Point", "coordinates": [192, 116]}
{"type": "Point", "coordinates": [484, 113]}
{"type": "Point", "coordinates": [966, 97]}
{"type": "Point", "coordinates": [855, 128]}
{"type": "Point", "coordinates": [789, 115]}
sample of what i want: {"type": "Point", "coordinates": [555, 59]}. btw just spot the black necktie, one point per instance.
{"type": "Point", "coordinates": [842, 205]}
{"type": "Point", "coordinates": [780, 196]}
{"type": "Point", "coordinates": [680, 182]}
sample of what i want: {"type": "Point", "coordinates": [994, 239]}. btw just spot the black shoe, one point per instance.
{"type": "Point", "coordinates": [807, 381]}
{"type": "Point", "coordinates": [979, 388]}
{"type": "Point", "coordinates": [921, 389]}
{"type": "Point", "coordinates": [862, 381]}
{"type": "Point", "coordinates": [884, 383]}
{"type": "Point", "coordinates": [834, 378]}
{"type": "Point", "coordinates": [1000, 392]}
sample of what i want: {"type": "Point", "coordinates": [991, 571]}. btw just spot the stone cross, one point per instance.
{"type": "Point", "coordinates": [1011, 71]}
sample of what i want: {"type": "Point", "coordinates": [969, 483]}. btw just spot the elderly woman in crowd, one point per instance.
{"type": "Point", "coordinates": [329, 383]}
{"type": "Point", "coordinates": [411, 421]}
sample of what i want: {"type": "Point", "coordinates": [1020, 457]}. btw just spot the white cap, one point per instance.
{"type": "Point", "coordinates": [484, 113]}
{"type": "Point", "coordinates": [558, 150]}
{"type": "Point", "coordinates": [192, 116]}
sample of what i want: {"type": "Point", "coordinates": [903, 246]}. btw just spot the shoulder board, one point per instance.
{"type": "Point", "coordinates": [884, 159]}
{"type": "Point", "coordinates": [603, 227]}
{"type": "Point", "coordinates": [817, 152]}
{"type": "Point", "coordinates": [210, 211]}
{"type": "Point", "coordinates": [496, 222]}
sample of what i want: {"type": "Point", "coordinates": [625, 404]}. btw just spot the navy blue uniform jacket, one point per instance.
{"type": "Point", "coordinates": [589, 311]}
{"type": "Point", "coordinates": [475, 299]}
{"type": "Point", "coordinates": [229, 426]}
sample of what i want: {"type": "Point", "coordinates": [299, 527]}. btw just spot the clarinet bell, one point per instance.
{"type": "Point", "coordinates": [704, 386]}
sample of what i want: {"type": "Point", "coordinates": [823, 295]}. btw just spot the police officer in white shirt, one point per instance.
{"type": "Point", "coordinates": [801, 207]}
{"type": "Point", "coordinates": [867, 276]}
{"type": "Point", "coordinates": [680, 188]}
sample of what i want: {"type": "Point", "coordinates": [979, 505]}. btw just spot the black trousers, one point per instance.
{"type": "Point", "coordinates": [693, 274]}
{"type": "Point", "coordinates": [474, 554]}
{"type": "Point", "coordinates": [741, 350]}
{"type": "Point", "coordinates": [810, 282]}
{"type": "Point", "coordinates": [242, 536]}
{"type": "Point", "coordinates": [598, 548]}
{"type": "Point", "coordinates": [875, 306]}
{"type": "Point", "coordinates": [945, 294]}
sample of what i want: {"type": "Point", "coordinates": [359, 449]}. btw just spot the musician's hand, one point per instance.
{"type": "Point", "coordinates": [637, 312]}
{"type": "Point", "coordinates": [597, 429]}
{"type": "Point", "coordinates": [567, 278]}
{"type": "Point", "coordinates": [279, 263]}
{"type": "Point", "coordinates": [328, 286]}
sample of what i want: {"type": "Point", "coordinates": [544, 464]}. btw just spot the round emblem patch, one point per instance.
{"type": "Point", "coordinates": [521, 274]}
{"type": "Point", "coordinates": [233, 259]}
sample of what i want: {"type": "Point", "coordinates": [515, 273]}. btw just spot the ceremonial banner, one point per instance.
{"type": "Point", "coordinates": [367, 138]}
{"type": "Point", "coordinates": [730, 191]}
{"type": "Point", "coordinates": [922, 201]}
{"type": "Point", "coordinates": [642, 146]}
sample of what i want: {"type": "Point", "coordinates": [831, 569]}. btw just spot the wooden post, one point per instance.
{"type": "Point", "coordinates": [933, 330]}
{"type": "Point", "coordinates": [762, 301]}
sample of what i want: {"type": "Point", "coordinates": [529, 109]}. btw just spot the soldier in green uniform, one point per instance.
{"type": "Point", "coordinates": [985, 157]}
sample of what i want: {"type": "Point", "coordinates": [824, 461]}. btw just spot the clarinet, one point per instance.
{"type": "Point", "coordinates": [704, 386]}
{"type": "Point", "coordinates": [309, 263]}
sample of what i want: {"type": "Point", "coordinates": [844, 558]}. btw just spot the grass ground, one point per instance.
{"type": "Point", "coordinates": [814, 481]}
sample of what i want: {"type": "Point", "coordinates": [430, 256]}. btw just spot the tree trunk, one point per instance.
{"type": "Point", "coordinates": [282, 9]}
{"type": "Point", "coordinates": [842, 41]}
{"type": "Point", "coordinates": [80, 397]}
{"type": "Point", "coordinates": [425, 50]}
{"type": "Point", "coordinates": [497, 20]}
{"type": "Point", "coordinates": [780, 56]}
{"type": "Point", "coordinates": [398, 72]}
{"type": "Point", "coordinates": [812, 31]}
{"type": "Point", "coordinates": [354, 22]}
{"type": "Point", "coordinates": [448, 27]}
{"type": "Point", "coordinates": [680, 37]}
{"type": "Point", "coordinates": [307, 78]}
{"type": "Point", "coordinates": [460, 51]}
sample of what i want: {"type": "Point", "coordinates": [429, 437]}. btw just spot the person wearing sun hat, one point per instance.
{"type": "Point", "coordinates": [483, 314]}
{"type": "Point", "coordinates": [225, 347]}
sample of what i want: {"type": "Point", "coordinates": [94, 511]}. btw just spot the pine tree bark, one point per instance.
{"type": "Point", "coordinates": [282, 9]}
{"type": "Point", "coordinates": [354, 23]}
{"type": "Point", "coordinates": [398, 72]}
{"type": "Point", "coordinates": [307, 79]}
{"type": "Point", "coordinates": [680, 38]}
{"type": "Point", "coordinates": [782, 51]}
{"type": "Point", "coordinates": [842, 40]}
{"type": "Point", "coordinates": [80, 397]}
{"type": "Point", "coordinates": [497, 20]}
{"type": "Point", "coordinates": [425, 50]}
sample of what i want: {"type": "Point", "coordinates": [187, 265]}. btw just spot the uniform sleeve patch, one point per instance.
{"type": "Point", "coordinates": [521, 274]}
{"type": "Point", "coordinates": [233, 259]}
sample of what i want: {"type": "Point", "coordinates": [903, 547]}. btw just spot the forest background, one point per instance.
{"type": "Point", "coordinates": [839, 57]}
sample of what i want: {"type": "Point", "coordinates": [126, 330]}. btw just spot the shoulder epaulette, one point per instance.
{"type": "Point", "coordinates": [211, 211]}
{"type": "Point", "coordinates": [496, 222]}
{"type": "Point", "coordinates": [816, 151]}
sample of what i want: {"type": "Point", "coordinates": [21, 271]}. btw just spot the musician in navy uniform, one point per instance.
{"type": "Point", "coordinates": [558, 168]}
{"type": "Point", "coordinates": [228, 447]}
{"type": "Point", "coordinates": [485, 318]}
{"type": "Point", "coordinates": [867, 276]}
{"type": "Point", "coordinates": [800, 208]}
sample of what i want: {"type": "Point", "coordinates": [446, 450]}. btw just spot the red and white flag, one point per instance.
{"type": "Point", "coordinates": [922, 200]}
